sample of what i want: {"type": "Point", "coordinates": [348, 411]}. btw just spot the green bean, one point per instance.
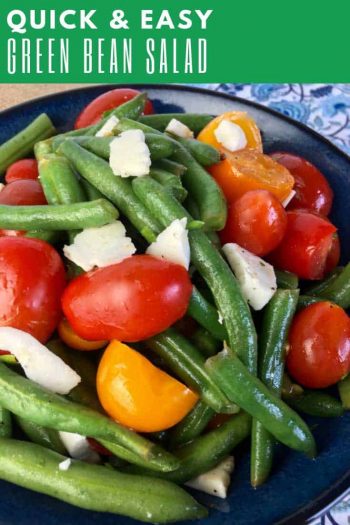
{"type": "Point", "coordinates": [206, 315]}
{"type": "Point", "coordinates": [192, 425]}
{"type": "Point", "coordinates": [290, 389]}
{"type": "Point", "coordinates": [79, 361]}
{"type": "Point", "coordinates": [252, 395]}
{"type": "Point", "coordinates": [205, 342]}
{"type": "Point", "coordinates": [8, 359]}
{"type": "Point", "coordinates": [187, 363]}
{"type": "Point", "coordinates": [95, 487]}
{"type": "Point", "coordinates": [30, 401]}
{"type": "Point", "coordinates": [42, 148]}
{"type": "Point", "coordinates": [307, 300]}
{"type": "Point", "coordinates": [85, 392]}
{"type": "Point", "coordinates": [22, 144]}
{"type": "Point", "coordinates": [58, 180]}
{"type": "Point", "coordinates": [213, 268]}
{"type": "Point", "coordinates": [116, 189]}
{"type": "Point", "coordinates": [286, 280]}
{"type": "Point", "coordinates": [195, 121]}
{"type": "Point", "coordinates": [61, 217]}
{"type": "Point", "coordinates": [131, 109]}
{"type": "Point", "coordinates": [52, 237]}
{"type": "Point", "coordinates": [171, 182]}
{"type": "Point", "coordinates": [171, 166]}
{"type": "Point", "coordinates": [204, 154]}
{"type": "Point", "coordinates": [338, 290]}
{"type": "Point", "coordinates": [277, 318]}
{"type": "Point", "coordinates": [318, 404]}
{"type": "Point", "coordinates": [91, 192]}
{"type": "Point", "coordinates": [344, 392]}
{"type": "Point", "coordinates": [200, 185]}
{"type": "Point", "coordinates": [158, 145]}
{"type": "Point", "coordinates": [205, 452]}
{"type": "Point", "coordinates": [127, 455]}
{"type": "Point", "coordinates": [317, 288]}
{"type": "Point", "coordinates": [46, 437]}
{"type": "Point", "coordinates": [5, 423]}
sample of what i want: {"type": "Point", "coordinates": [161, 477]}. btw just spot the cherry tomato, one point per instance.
{"type": "Point", "coordinates": [130, 301]}
{"type": "Point", "coordinates": [68, 336]}
{"type": "Point", "coordinates": [93, 112]}
{"type": "Point", "coordinates": [242, 119]}
{"type": "Point", "coordinates": [312, 189]}
{"type": "Point", "coordinates": [22, 169]}
{"type": "Point", "coordinates": [12, 233]}
{"type": "Point", "coordinates": [249, 169]}
{"type": "Point", "coordinates": [32, 280]}
{"type": "Point", "coordinates": [97, 447]}
{"type": "Point", "coordinates": [22, 192]}
{"type": "Point", "coordinates": [138, 394]}
{"type": "Point", "coordinates": [333, 255]}
{"type": "Point", "coordinates": [306, 245]}
{"type": "Point", "coordinates": [256, 221]}
{"type": "Point", "coordinates": [319, 338]}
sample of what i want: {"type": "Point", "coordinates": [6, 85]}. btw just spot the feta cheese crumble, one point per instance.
{"type": "Point", "coordinates": [175, 127]}
{"type": "Point", "coordinates": [100, 246]}
{"type": "Point", "coordinates": [172, 244]}
{"type": "Point", "coordinates": [230, 135]}
{"type": "Point", "coordinates": [255, 276]}
{"type": "Point", "coordinates": [129, 154]}
{"type": "Point", "coordinates": [108, 127]}
{"type": "Point", "coordinates": [39, 364]}
{"type": "Point", "coordinates": [216, 481]}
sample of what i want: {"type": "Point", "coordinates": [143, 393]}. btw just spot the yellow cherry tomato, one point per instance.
{"type": "Point", "coordinates": [73, 340]}
{"type": "Point", "coordinates": [249, 169]}
{"type": "Point", "coordinates": [139, 395]}
{"type": "Point", "coordinates": [243, 120]}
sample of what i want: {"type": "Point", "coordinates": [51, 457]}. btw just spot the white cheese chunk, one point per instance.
{"type": "Point", "coordinates": [129, 154]}
{"type": "Point", "coordinates": [216, 481]}
{"type": "Point", "coordinates": [100, 246]}
{"type": "Point", "coordinates": [289, 198]}
{"type": "Point", "coordinates": [78, 447]}
{"type": "Point", "coordinates": [172, 244]}
{"type": "Point", "coordinates": [230, 135]}
{"type": "Point", "coordinates": [65, 464]}
{"type": "Point", "coordinates": [108, 127]}
{"type": "Point", "coordinates": [175, 127]}
{"type": "Point", "coordinates": [39, 364]}
{"type": "Point", "coordinates": [256, 277]}
{"type": "Point", "coordinates": [2, 186]}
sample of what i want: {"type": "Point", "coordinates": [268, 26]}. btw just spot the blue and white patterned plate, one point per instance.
{"type": "Point", "coordinates": [298, 487]}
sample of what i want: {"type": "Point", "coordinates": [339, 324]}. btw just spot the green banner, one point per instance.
{"type": "Point", "coordinates": [173, 41]}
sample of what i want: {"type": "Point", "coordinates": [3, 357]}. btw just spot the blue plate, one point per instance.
{"type": "Point", "coordinates": [298, 487]}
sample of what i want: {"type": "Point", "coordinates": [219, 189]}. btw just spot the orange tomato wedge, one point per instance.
{"type": "Point", "coordinates": [73, 340]}
{"type": "Point", "coordinates": [240, 118]}
{"type": "Point", "coordinates": [250, 169]}
{"type": "Point", "coordinates": [139, 395]}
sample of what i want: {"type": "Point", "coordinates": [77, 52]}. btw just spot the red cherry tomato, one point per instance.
{"type": "Point", "coordinates": [22, 169]}
{"type": "Point", "coordinates": [256, 221]}
{"type": "Point", "coordinates": [306, 245]}
{"type": "Point", "coordinates": [319, 339]}
{"type": "Point", "coordinates": [93, 112]}
{"type": "Point", "coordinates": [130, 301]}
{"type": "Point", "coordinates": [22, 192]}
{"type": "Point", "coordinates": [32, 280]}
{"type": "Point", "coordinates": [97, 447]}
{"type": "Point", "coordinates": [312, 189]}
{"type": "Point", "coordinates": [333, 255]}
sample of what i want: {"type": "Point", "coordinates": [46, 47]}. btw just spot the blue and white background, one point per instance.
{"type": "Point", "coordinates": [323, 107]}
{"type": "Point", "coordinates": [326, 109]}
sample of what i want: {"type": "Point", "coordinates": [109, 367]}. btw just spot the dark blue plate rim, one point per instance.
{"type": "Point", "coordinates": [334, 493]}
